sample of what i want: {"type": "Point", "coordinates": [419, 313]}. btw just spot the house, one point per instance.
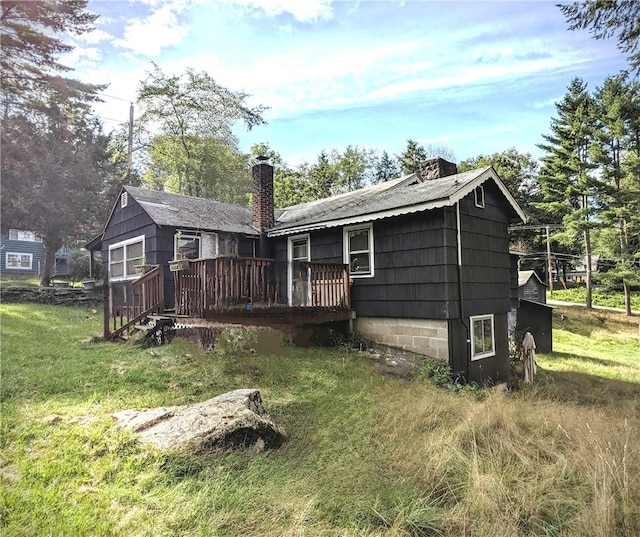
{"type": "Point", "coordinates": [22, 252]}
{"type": "Point", "coordinates": [531, 287]}
{"type": "Point", "coordinates": [426, 257]}
{"type": "Point", "coordinates": [533, 314]}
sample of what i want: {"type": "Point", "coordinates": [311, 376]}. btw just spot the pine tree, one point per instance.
{"type": "Point", "coordinates": [30, 47]}
{"type": "Point", "coordinates": [616, 145]}
{"type": "Point", "coordinates": [385, 168]}
{"type": "Point", "coordinates": [412, 157]}
{"type": "Point", "coordinates": [568, 185]}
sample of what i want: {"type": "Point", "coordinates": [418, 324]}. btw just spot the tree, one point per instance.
{"type": "Point", "coordinates": [30, 46]}
{"type": "Point", "coordinates": [567, 184]}
{"type": "Point", "coordinates": [193, 116]}
{"type": "Point", "coordinates": [321, 178]}
{"type": "Point", "coordinates": [212, 169]}
{"type": "Point", "coordinates": [353, 168]}
{"type": "Point", "coordinates": [53, 175]}
{"type": "Point", "coordinates": [411, 158]}
{"type": "Point", "coordinates": [616, 144]}
{"type": "Point", "coordinates": [290, 186]}
{"type": "Point", "coordinates": [55, 158]}
{"type": "Point", "coordinates": [415, 154]}
{"type": "Point", "coordinates": [385, 168]}
{"type": "Point", "coordinates": [608, 18]}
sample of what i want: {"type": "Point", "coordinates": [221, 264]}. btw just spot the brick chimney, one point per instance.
{"type": "Point", "coordinates": [435, 168]}
{"type": "Point", "coordinates": [263, 206]}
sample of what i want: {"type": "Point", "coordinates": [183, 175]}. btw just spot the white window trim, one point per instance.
{"type": "Point", "coordinates": [346, 252]}
{"type": "Point", "coordinates": [187, 235]}
{"type": "Point", "coordinates": [290, 242]}
{"type": "Point", "coordinates": [123, 244]}
{"type": "Point", "coordinates": [124, 199]}
{"type": "Point", "coordinates": [27, 236]}
{"type": "Point", "coordinates": [492, 352]}
{"type": "Point", "coordinates": [479, 202]}
{"type": "Point", "coordinates": [20, 254]}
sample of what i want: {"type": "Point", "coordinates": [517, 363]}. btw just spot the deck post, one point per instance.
{"type": "Point", "coordinates": [106, 311]}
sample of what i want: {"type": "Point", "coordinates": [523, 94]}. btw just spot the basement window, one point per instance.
{"type": "Point", "coordinates": [479, 196]}
{"type": "Point", "coordinates": [358, 250]}
{"type": "Point", "coordinates": [483, 342]}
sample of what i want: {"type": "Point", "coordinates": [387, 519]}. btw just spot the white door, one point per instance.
{"type": "Point", "coordinates": [298, 273]}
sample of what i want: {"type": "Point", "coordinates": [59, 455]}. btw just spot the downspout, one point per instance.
{"type": "Point", "coordinates": [460, 297]}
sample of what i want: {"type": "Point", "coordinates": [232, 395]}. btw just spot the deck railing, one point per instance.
{"type": "Point", "coordinates": [129, 301]}
{"type": "Point", "coordinates": [329, 285]}
{"type": "Point", "coordinates": [215, 285]}
{"type": "Point", "coordinates": [210, 286]}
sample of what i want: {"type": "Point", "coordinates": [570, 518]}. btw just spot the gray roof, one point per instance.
{"type": "Point", "coordinates": [401, 196]}
{"type": "Point", "coordinates": [525, 275]}
{"type": "Point", "coordinates": [194, 213]}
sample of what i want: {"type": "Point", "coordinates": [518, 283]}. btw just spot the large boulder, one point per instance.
{"type": "Point", "coordinates": [235, 419]}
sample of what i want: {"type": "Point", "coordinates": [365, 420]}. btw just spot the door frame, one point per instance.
{"type": "Point", "coordinates": [290, 261]}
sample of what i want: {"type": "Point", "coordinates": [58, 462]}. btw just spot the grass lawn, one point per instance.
{"type": "Point", "coordinates": [367, 455]}
{"type": "Point", "coordinates": [609, 299]}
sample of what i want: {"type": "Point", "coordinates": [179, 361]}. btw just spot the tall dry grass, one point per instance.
{"type": "Point", "coordinates": [516, 464]}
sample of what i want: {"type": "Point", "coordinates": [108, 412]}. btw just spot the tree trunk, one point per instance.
{"type": "Point", "coordinates": [587, 248]}
{"type": "Point", "coordinates": [51, 246]}
{"type": "Point", "coordinates": [627, 298]}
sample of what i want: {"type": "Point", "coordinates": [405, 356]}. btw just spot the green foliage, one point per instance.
{"type": "Point", "coordinates": [385, 168]}
{"type": "Point", "coordinates": [31, 46]}
{"type": "Point", "coordinates": [55, 157]}
{"type": "Point", "coordinates": [608, 298]}
{"type": "Point", "coordinates": [604, 19]}
{"type": "Point", "coordinates": [199, 166]}
{"type": "Point", "coordinates": [195, 151]}
{"type": "Point", "coordinates": [415, 154]}
{"type": "Point", "coordinates": [78, 263]}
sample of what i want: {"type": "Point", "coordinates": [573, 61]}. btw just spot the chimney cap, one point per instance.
{"type": "Point", "coordinates": [262, 158]}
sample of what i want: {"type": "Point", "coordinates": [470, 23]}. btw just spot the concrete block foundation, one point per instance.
{"type": "Point", "coordinates": [429, 337]}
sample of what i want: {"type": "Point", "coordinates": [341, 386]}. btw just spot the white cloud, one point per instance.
{"type": "Point", "coordinates": [161, 29]}
{"type": "Point", "coordinates": [94, 37]}
{"type": "Point", "coordinates": [301, 10]}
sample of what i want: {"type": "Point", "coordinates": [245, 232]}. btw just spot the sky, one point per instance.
{"type": "Point", "coordinates": [471, 76]}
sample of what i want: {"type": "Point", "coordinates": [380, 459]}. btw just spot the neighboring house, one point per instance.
{"type": "Point", "coordinates": [22, 252]}
{"type": "Point", "coordinates": [427, 254]}
{"type": "Point", "coordinates": [533, 314]}
{"type": "Point", "coordinates": [531, 287]}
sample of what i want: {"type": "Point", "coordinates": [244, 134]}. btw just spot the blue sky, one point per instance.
{"type": "Point", "coordinates": [475, 77]}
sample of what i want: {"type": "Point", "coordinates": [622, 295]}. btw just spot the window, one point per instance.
{"type": "Point", "coordinates": [479, 196]}
{"type": "Point", "coordinates": [358, 250]}
{"type": "Point", "coordinates": [187, 246]}
{"type": "Point", "coordinates": [18, 261]}
{"type": "Point", "coordinates": [22, 235]}
{"type": "Point", "coordinates": [124, 256]}
{"type": "Point", "coordinates": [124, 199]}
{"type": "Point", "coordinates": [482, 337]}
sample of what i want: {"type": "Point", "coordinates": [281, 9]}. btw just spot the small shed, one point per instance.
{"type": "Point", "coordinates": [536, 318]}
{"type": "Point", "coordinates": [531, 287]}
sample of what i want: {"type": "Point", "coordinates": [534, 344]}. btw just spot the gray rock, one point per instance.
{"type": "Point", "coordinates": [235, 419]}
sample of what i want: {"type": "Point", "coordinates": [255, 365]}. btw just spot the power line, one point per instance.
{"type": "Point", "coordinates": [114, 97]}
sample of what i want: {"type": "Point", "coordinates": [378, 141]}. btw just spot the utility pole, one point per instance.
{"type": "Point", "coordinates": [130, 144]}
{"type": "Point", "coordinates": [549, 276]}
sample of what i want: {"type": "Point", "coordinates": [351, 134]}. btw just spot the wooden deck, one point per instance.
{"type": "Point", "coordinates": [228, 285]}
{"type": "Point", "coordinates": [231, 290]}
